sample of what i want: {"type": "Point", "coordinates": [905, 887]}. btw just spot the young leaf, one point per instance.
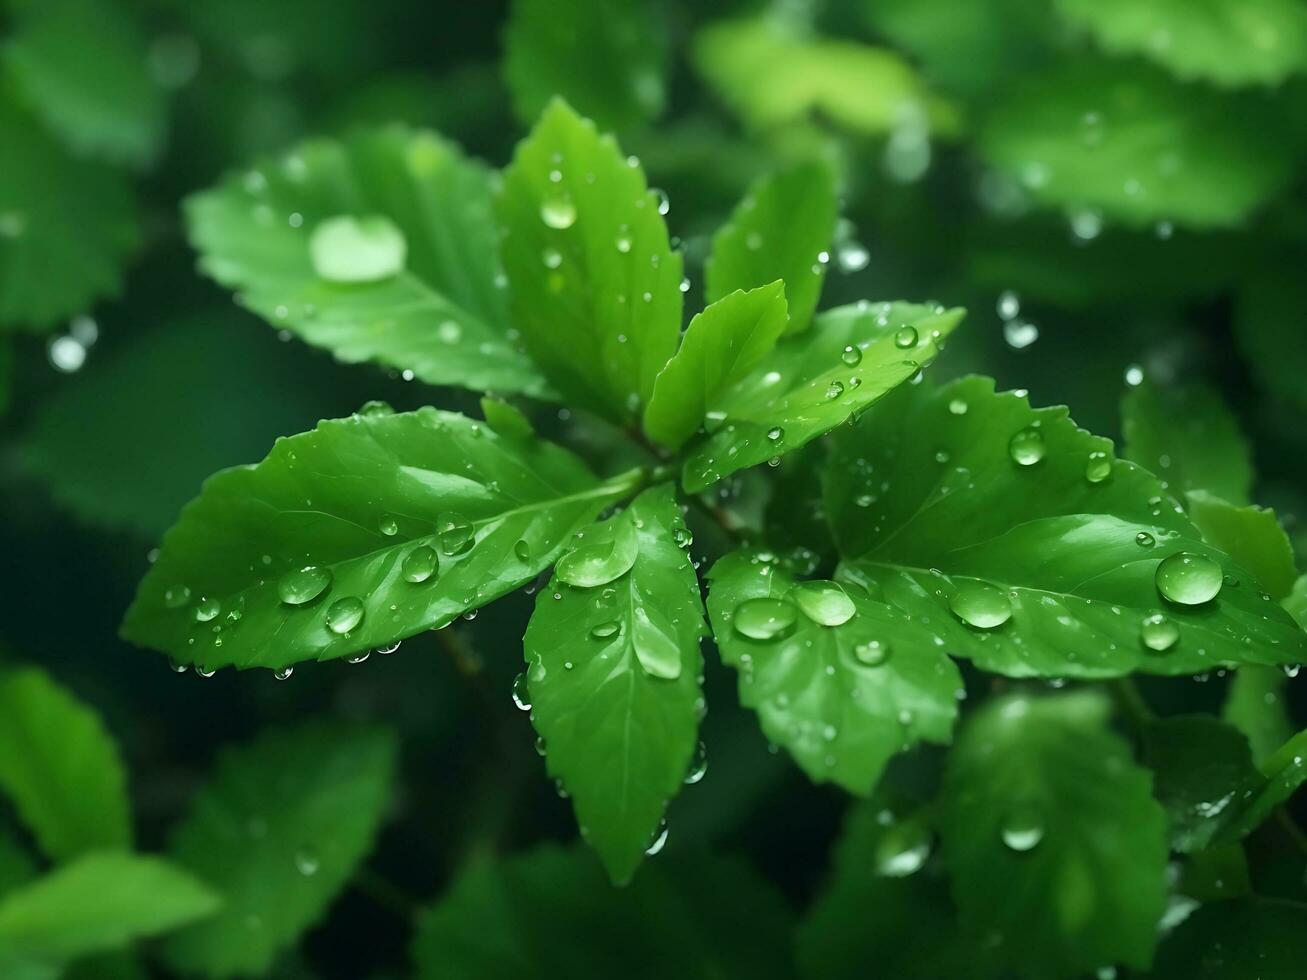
{"type": "Point", "coordinates": [1056, 848]}
{"type": "Point", "coordinates": [550, 913]}
{"type": "Point", "coordinates": [721, 344]}
{"type": "Point", "coordinates": [380, 247]}
{"type": "Point", "coordinates": [852, 357]}
{"type": "Point", "coordinates": [60, 767]}
{"type": "Point", "coordinates": [783, 229]}
{"type": "Point", "coordinates": [1250, 937]}
{"type": "Point", "coordinates": [1227, 42]}
{"type": "Point", "coordinates": [614, 675]}
{"type": "Point", "coordinates": [364, 531]}
{"type": "Point", "coordinates": [82, 65]}
{"type": "Point", "coordinates": [841, 681]}
{"type": "Point", "coordinates": [99, 903]}
{"type": "Point", "coordinates": [278, 833]}
{"type": "Point", "coordinates": [1125, 141]}
{"type": "Point", "coordinates": [596, 289]}
{"type": "Point", "coordinates": [1028, 549]}
{"type": "Point", "coordinates": [66, 227]}
{"type": "Point", "coordinates": [1188, 437]}
{"type": "Point", "coordinates": [607, 59]}
{"type": "Point", "coordinates": [506, 419]}
{"type": "Point", "coordinates": [1251, 535]}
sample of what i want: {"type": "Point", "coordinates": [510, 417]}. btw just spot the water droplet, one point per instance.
{"type": "Point", "coordinates": [1145, 540]}
{"type": "Point", "coordinates": [376, 409]}
{"type": "Point", "coordinates": [1026, 447]}
{"type": "Point", "coordinates": [664, 205]}
{"type": "Point", "coordinates": [306, 862]}
{"type": "Point", "coordinates": [302, 585]}
{"type": "Point", "coordinates": [957, 407]}
{"type": "Point", "coordinates": [558, 211]}
{"type": "Point", "coordinates": [1022, 829]}
{"type": "Point", "coordinates": [775, 433]}
{"type": "Point", "coordinates": [1134, 375]}
{"type": "Point", "coordinates": [902, 849]}
{"type": "Point", "coordinates": [824, 602]}
{"type": "Point", "coordinates": [205, 671]}
{"type": "Point", "coordinates": [1187, 579]}
{"type": "Point", "coordinates": [852, 356]}
{"type": "Point", "coordinates": [552, 258]}
{"type": "Point", "coordinates": [682, 537]}
{"type": "Point", "coordinates": [522, 551]}
{"type": "Point", "coordinates": [455, 534]}
{"type": "Point", "coordinates": [656, 650]}
{"type": "Point", "coordinates": [207, 609]}
{"type": "Point", "coordinates": [419, 564]}
{"type": "Point", "coordinates": [698, 765]}
{"type": "Point", "coordinates": [389, 526]}
{"type": "Point", "coordinates": [386, 649]}
{"type": "Point", "coordinates": [834, 390]}
{"type": "Point", "coordinates": [1159, 633]}
{"type": "Point", "coordinates": [176, 597]}
{"type": "Point", "coordinates": [765, 618]}
{"type": "Point", "coordinates": [1009, 305]}
{"type": "Point", "coordinates": [981, 606]}
{"type": "Point", "coordinates": [1020, 334]}
{"type": "Point", "coordinates": [873, 653]}
{"type": "Point", "coordinates": [344, 614]}
{"type": "Point", "coordinates": [283, 673]}
{"type": "Point", "coordinates": [521, 693]}
{"type": "Point", "coordinates": [1099, 467]}
{"type": "Point", "coordinates": [659, 840]}
{"type": "Point", "coordinates": [604, 631]}
{"type": "Point", "coordinates": [905, 337]}
{"type": "Point", "coordinates": [362, 249]}
{"type": "Point", "coordinates": [592, 565]}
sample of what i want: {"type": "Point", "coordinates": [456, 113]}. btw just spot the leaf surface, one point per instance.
{"type": "Point", "coordinates": [1250, 937]}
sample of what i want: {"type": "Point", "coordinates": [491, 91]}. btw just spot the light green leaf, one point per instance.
{"type": "Point", "coordinates": [66, 227]}
{"type": "Point", "coordinates": [60, 767]}
{"type": "Point", "coordinates": [614, 673]}
{"type": "Point", "coordinates": [839, 680]}
{"type": "Point", "coordinates": [99, 903]}
{"type": "Point", "coordinates": [1256, 702]}
{"type": "Point", "coordinates": [1251, 535]}
{"type": "Point", "coordinates": [1263, 938]}
{"type": "Point", "coordinates": [1028, 549]}
{"type": "Point", "coordinates": [607, 59]}
{"type": "Point", "coordinates": [782, 229]}
{"type": "Point", "coordinates": [506, 419]}
{"type": "Point", "coordinates": [406, 520]}
{"type": "Point", "coordinates": [770, 75]}
{"type": "Point", "coordinates": [1129, 142]}
{"type": "Point", "coordinates": [1188, 437]}
{"type": "Point", "coordinates": [278, 832]}
{"type": "Point", "coordinates": [1268, 330]}
{"type": "Point", "coordinates": [551, 913]}
{"type": "Point", "coordinates": [852, 357]}
{"type": "Point", "coordinates": [720, 346]}
{"type": "Point", "coordinates": [380, 247]}
{"type": "Point", "coordinates": [82, 66]}
{"type": "Point", "coordinates": [1227, 42]}
{"type": "Point", "coordinates": [596, 288]}
{"type": "Point", "coordinates": [1056, 848]}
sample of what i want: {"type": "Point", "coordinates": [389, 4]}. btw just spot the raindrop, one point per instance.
{"type": "Point", "coordinates": [957, 407]}
{"type": "Point", "coordinates": [905, 337]}
{"type": "Point", "coordinates": [522, 551]}
{"type": "Point", "coordinates": [664, 205]}
{"type": "Point", "coordinates": [1009, 305]}
{"type": "Point", "coordinates": [207, 609]}
{"type": "Point", "coordinates": [205, 671]}
{"type": "Point", "coordinates": [389, 526]}
{"type": "Point", "coordinates": [362, 249]}
{"type": "Point", "coordinates": [419, 564]}
{"type": "Point", "coordinates": [521, 694]}
{"type": "Point", "coordinates": [824, 602]}
{"type": "Point", "coordinates": [385, 650]}
{"type": "Point", "coordinates": [981, 606]}
{"type": "Point", "coordinates": [1026, 447]}
{"type": "Point", "coordinates": [834, 390]}
{"type": "Point", "coordinates": [1145, 540]}
{"type": "Point", "coordinates": [604, 631]}
{"type": "Point", "coordinates": [873, 653]}
{"type": "Point", "coordinates": [558, 212]}
{"type": "Point", "coordinates": [306, 862]}
{"type": "Point", "coordinates": [283, 673]}
{"type": "Point", "coordinates": [176, 597]}
{"type": "Point", "coordinates": [1188, 579]}
{"type": "Point", "coordinates": [552, 258]}
{"type": "Point", "coordinates": [698, 765]}
{"type": "Point", "coordinates": [659, 840]}
{"type": "Point", "coordinates": [775, 433]}
{"type": "Point", "coordinates": [1023, 829]}
{"type": "Point", "coordinates": [455, 534]}
{"type": "Point", "coordinates": [344, 614]}
{"type": "Point", "coordinates": [1134, 375]}
{"type": "Point", "coordinates": [902, 849]}
{"type": "Point", "coordinates": [592, 565]}
{"type": "Point", "coordinates": [1099, 467]}
{"type": "Point", "coordinates": [1020, 334]}
{"type": "Point", "coordinates": [1159, 633]}
{"type": "Point", "coordinates": [66, 354]}
{"type": "Point", "coordinates": [682, 537]}
{"type": "Point", "coordinates": [302, 585]}
{"type": "Point", "coordinates": [765, 618]}
{"type": "Point", "coordinates": [852, 355]}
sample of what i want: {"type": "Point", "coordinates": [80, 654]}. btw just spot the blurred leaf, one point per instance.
{"type": "Point", "coordinates": [1281, 773]}
{"type": "Point", "coordinates": [99, 903]}
{"type": "Point", "coordinates": [840, 681]}
{"type": "Point", "coordinates": [16, 865]}
{"type": "Point", "coordinates": [81, 65]}
{"type": "Point", "coordinates": [1029, 550]}
{"type": "Point", "coordinates": [770, 75]}
{"type": "Point", "coordinates": [811, 383]}
{"type": "Point", "coordinates": [1057, 849]}
{"type": "Point", "coordinates": [278, 832]}
{"type": "Point", "coordinates": [595, 285]}
{"type": "Point", "coordinates": [1226, 42]}
{"type": "Point", "coordinates": [795, 517]}
{"type": "Point", "coordinates": [550, 913]}
{"type": "Point", "coordinates": [60, 767]}
{"type": "Point", "coordinates": [1268, 330]}
{"type": "Point", "coordinates": [1255, 703]}
{"type": "Point", "coordinates": [1137, 146]}
{"type": "Point", "coordinates": [1250, 937]}
{"type": "Point", "coordinates": [1189, 438]}
{"type": "Point", "coordinates": [781, 230]}
{"type": "Point", "coordinates": [66, 227]}
{"type": "Point", "coordinates": [608, 59]}
{"type": "Point", "coordinates": [1251, 535]}
{"type": "Point", "coordinates": [378, 248]}
{"type": "Point", "coordinates": [6, 373]}
{"type": "Point", "coordinates": [364, 531]}
{"type": "Point", "coordinates": [506, 419]}
{"type": "Point", "coordinates": [614, 675]}
{"type": "Point", "coordinates": [721, 344]}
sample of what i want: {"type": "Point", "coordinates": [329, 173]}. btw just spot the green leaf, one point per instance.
{"type": "Point", "coordinates": [720, 346]}
{"type": "Point", "coordinates": [550, 913]}
{"type": "Point", "coordinates": [66, 227]}
{"type": "Point", "coordinates": [1198, 763]}
{"type": "Point", "coordinates": [1227, 42]}
{"type": "Point", "coordinates": [60, 767]}
{"type": "Point", "coordinates": [770, 76]}
{"type": "Point", "coordinates": [1128, 141]}
{"type": "Point", "coordinates": [1251, 937]}
{"type": "Point", "coordinates": [1188, 437]}
{"type": "Point", "coordinates": [1025, 547]}
{"type": "Point", "coordinates": [1267, 330]}
{"type": "Point", "coordinates": [596, 289]}
{"type": "Point", "coordinates": [1251, 535]}
{"type": "Point", "coordinates": [408, 520]}
{"type": "Point", "coordinates": [16, 865]}
{"type": "Point", "coordinates": [1256, 704]}
{"type": "Point", "coordinates": [839, 680]}
{"type": "Point", "coordinates": [506, 419]}
{"type": "Point", "coordinates": [82, 65]}
{"type": "Point", "coordinates": [380, 247]}
{"type": "Point", "coordinates": [99, 903]}
{"type": "Point", "coordinates": [852, 357]}
{"type": "Point", "coordinates": [1281, 773]}
{"type": "Point", "coordinates": [607, 59]}
{"type": "Point", "coordinates": [782, 229]}
{"type": "Point", "coordinates": [614, 678]}
{"type": "Point", "coordinates": [1056, 848]}
{"type": "Point", "coordinates": [278, 832]}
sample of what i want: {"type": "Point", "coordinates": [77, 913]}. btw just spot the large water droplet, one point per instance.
{"type": "Point", "coordinates": [659, 840]}
{"type": "Point", "coordinates": [852, 356]}
{"type": "Point", "coordinates": [592, 565]}
{"type": "Point", "coordinates": [1159, 633]}
{"type": "Point", "coordinates": [283, 673]}
{"type": "Point", "coordinates": [388, 526]}
{"type": "Point", "coordinates": [558, 211]}
{"type": "Point", "coordinates": [765, 618]}
{"type": "Point", "coordinates": [834, 390]}
{"type": "Point", "coordinates": [902, 849]}
{"type": "Point", "coordinates": [419, 564]}
{"type": "Point", "coordinates": [604, 631]}
{"type": "Point", "coordinates": [455, 534]}
{"type": "Point", "coordinates": [301, 585]}
{"type": "Point", "coordinates": [981, 606]}
{"type": "Point", "coordinates": [363, 249]}
{"type": "Point", "coordinates": [521, 693]}
{"type": "Point", "coordinates": [657, 650]}
{"type": "Point", "coordinates": [1022, 829]}
{"type": "Point", "coordinates": [1188, 579]}
{"type": "Point", "coordinates": [1145, 540]}
{"type": "Point", "coordinates": [1026, 447]}
{"type": "Point", "coordinates": [873, 653]}
{"type": "Point", "coordinates": [824, 602]}
{"type": "Point", "coordinates": [522, 551]}
{"type": "Point", "coordinates": [207, 609]}
{"type": "Point", "coordinates": [344, 614]}
{"type": "Point", "coordinates": [1098, 467]}
{"type": "Point", "coordinates": [905, 337]}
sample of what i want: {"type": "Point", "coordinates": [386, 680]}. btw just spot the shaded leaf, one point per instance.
{"type": "Point", "coordinates": [506, 419]}
{"type": "Point", "coordinates": [1250, 937]}
{"type": "Point", "coordinates": [1268, 330]}
{"type": "Point", "coordinates": [1281, 773]}
{"type": "Point", "coordinates": [16, 866]}
{"type": "Point", "coordinates": [1255, 703]}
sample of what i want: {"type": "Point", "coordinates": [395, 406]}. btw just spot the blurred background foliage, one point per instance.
{"type": "Point", "coordinates": [1114, 190]}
